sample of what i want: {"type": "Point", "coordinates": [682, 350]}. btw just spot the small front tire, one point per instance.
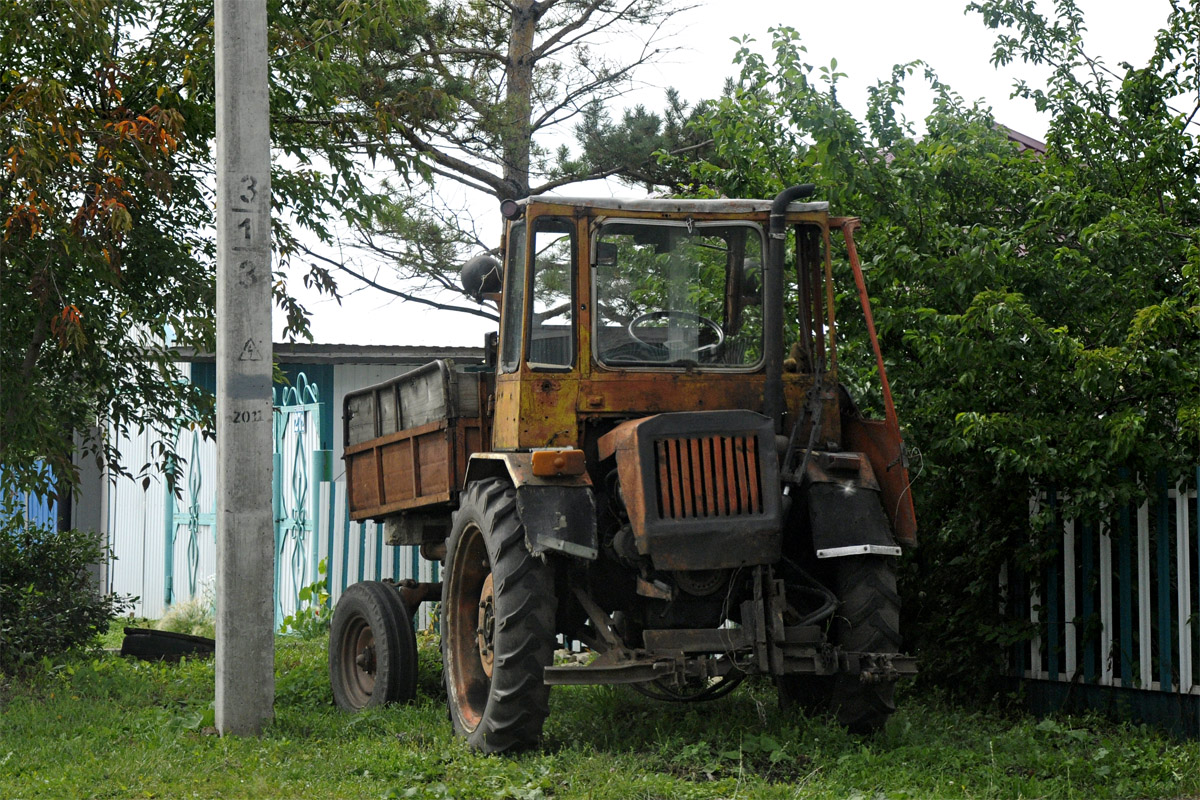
{"type": "Point", "coordinates": [867, 621]}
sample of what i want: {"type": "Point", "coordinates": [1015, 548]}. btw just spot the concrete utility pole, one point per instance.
{"type": "Point", "coordinates": [245, 541]}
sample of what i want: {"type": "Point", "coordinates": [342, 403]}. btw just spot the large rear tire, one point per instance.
{"type": "Point", "coordinates": [867, 621]}
{"type": "Point", "coordinates": [498, 631]}
{"type": "Point", "coordinates": [372, 648]}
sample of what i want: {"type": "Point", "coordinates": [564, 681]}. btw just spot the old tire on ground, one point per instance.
{"type": "Point", "coordinates": [867, 621]}
{"type": "Point", "coordinates": [372, 648]}
{"type": "Point", "coordinates": [498, 633]}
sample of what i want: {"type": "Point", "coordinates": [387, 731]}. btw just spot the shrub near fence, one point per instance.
{"type": "Point", "coordinates": [48, 602]}
{"type": "Point", "coordinates": [1117, 613]}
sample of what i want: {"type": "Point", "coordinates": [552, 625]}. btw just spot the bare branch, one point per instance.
{"type": "Point", "coordinates": [457, 164]}
{"type": "Point", "coordinates": [609, 172]}
{"type": "Point", "coordinates": [398, 293]}
{"type": "Point", "coordinates": [586, 89]}
{"type": "Point", "coordinates": [545, 47]}
{"type": "Point", "coordinates": [477, 52]}
{"type": "Point", "coordinates": [454, 176]}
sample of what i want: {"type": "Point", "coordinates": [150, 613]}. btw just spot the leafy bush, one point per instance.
{"type": "Point", "coordinates": [48, 604]}
{"type": "Point", "coordinates": [1037, 312]}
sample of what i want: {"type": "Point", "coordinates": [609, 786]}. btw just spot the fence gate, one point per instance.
{"type": "Point", "coordinates": [165, 540]}
{"type": "Point", "coordinates": [299, 466]}
{"type": "Point", "coordinates": [189, 507]}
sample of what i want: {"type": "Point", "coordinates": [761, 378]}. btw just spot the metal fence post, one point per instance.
{"type": "Point", "coordinates": [321, 471]}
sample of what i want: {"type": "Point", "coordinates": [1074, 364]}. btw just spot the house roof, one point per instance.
{"type": "Point", "coordinates": [1025, 142]}
{"type": "Point", "coordinates": [305, 353]}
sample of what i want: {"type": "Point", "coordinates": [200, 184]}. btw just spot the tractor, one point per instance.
{"type": "Point", "coordinates": [655, 469]}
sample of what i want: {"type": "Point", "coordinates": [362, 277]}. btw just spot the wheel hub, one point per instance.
{"type": "Point", "coordinates": [485, 633]}
{"type": "Point", "coordinates": [365, 660]}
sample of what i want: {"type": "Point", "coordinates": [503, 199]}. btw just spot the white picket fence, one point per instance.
{"type": "Point", "coordinates": [1119, 606]}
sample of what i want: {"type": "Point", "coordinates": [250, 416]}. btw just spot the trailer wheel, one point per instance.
{"type": "Point", "coordinates": [498, 624]}
{"type": "Point", "coordinates": [372, 648]}
{"type": "Point", "coordinates": [867, 621]}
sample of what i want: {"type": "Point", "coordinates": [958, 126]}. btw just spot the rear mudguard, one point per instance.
{"type": "Point", "coordinates": [844, 509]}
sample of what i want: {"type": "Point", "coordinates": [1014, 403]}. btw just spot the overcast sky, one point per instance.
{"type": "Point", "coordinates": [866, 37]}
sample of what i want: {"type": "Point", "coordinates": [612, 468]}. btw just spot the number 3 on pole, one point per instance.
{"type": "Point", "coordinates": [246, 274]}
{"type": "Point", "coordinates": [250, 185]}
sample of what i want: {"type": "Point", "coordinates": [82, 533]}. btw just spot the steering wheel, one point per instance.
{"type": "Point", "coordinates": [641, 319]}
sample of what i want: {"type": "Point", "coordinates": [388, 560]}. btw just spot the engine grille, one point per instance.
{"type": "Point", "coordinates": [701, 488]}
{"type": "Point", "coordinates": [710, 476]}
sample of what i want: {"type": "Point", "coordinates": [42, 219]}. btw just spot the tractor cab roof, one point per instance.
{"type": "Point", "coordinates": [673, 205]}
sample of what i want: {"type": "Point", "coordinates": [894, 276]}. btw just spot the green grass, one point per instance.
{"type": "Point", "coordinates": [107, 727]}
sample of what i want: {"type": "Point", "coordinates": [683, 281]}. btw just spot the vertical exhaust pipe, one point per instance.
{"type": "Point", "coordinates": [773, 404]}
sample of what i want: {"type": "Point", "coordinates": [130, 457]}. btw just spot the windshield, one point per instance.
{"type": "Point", "coordinates": [678, 294]}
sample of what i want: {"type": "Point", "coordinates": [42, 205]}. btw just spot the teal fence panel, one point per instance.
{"type": "Point", "coordinates": [297, 442]}
{"type": "Point", "coordinates": [1117, 613]}
{"type": "Point", "coordinates": [190, 518]}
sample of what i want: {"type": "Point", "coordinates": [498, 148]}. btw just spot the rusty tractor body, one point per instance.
{"type": "Point", "coordinates": [657, 462]}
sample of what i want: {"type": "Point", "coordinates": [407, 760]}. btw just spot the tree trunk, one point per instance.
{"type": "Point", "coordinates": [518, 133]}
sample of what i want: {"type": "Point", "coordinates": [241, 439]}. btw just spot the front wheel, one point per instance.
{"type": "Point", "coordinates": [498, 616]}
{"type": "Point", "coordinates": [867, 621]}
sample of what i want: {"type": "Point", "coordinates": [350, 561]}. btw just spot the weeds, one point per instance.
{"type": "Point", "coordinates": [195, 616]}
{"type": "Point", "coordinates": [314, 611]}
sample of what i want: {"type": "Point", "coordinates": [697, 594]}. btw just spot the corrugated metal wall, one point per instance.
{"type": "Point", "coordinates": [136, 531]}
{"type": "Point", "coordinates": [166, 552]}
{"type": "Point", "coordinates": [354, 551]}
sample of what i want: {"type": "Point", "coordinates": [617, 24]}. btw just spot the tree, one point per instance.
{"type": "Point", "coordinates": [101, 205]}
{"type": "Point", "coordinates": [106, 256]}
{"type": "Point", "coordinates": [1040, 315]}
{"type": "Point", "coordinates": [627, 150]}
{"type": "Point", "coordinates": [514, 71]}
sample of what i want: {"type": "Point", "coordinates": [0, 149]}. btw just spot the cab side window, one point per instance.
{"type": "Point", "coordinates": [513, 300]}
{"type": "Point", "coordinates": [551, 322]}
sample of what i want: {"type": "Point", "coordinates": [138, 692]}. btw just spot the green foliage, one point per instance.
{"type": "Point", "coordinates": [107, 249]}
{"type": "Point", "coordinates": [48, 604]}
{"type": "Point", "coordinates": [101, 204]}
{"type": "Point", "coordinates": [302, 673]}
{"type": "Point", "coordinates": [1039, 315]}
{"type": "Point", "coordinates": [314, 611]}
